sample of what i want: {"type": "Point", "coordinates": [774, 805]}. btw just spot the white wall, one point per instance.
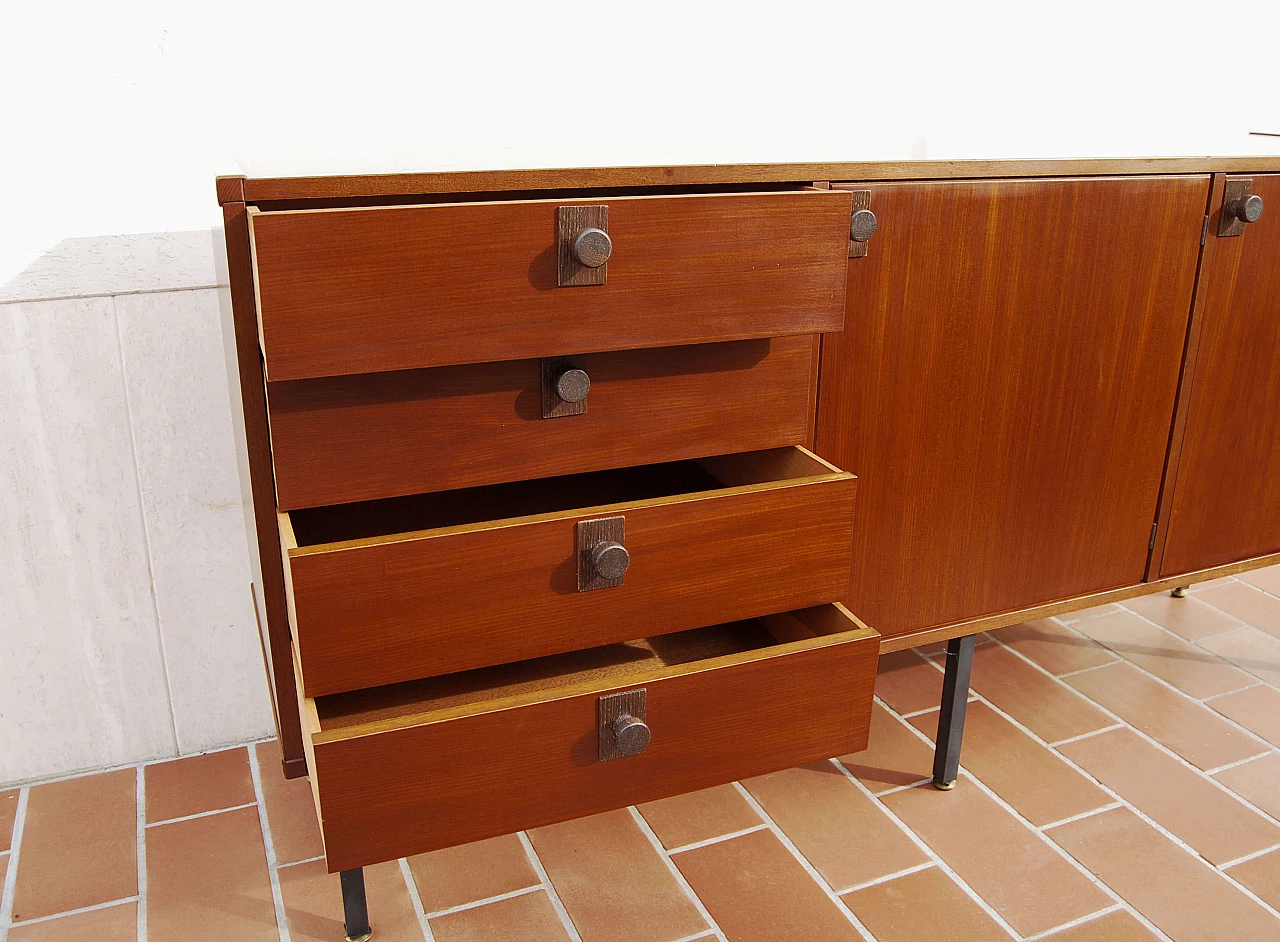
{"type": "Point", "coordinates": [125, 625]}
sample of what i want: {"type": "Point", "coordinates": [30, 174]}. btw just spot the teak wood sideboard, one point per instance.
{"type": "Point", "coordinates": [574, 489]}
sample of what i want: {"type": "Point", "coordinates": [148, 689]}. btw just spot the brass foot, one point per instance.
{"type": "Point", "coordinates": [1180, 592]}
{"type": "Point", "coordinates": [945, 786]}
{"type": "Point", "coordinates": [360, 938]}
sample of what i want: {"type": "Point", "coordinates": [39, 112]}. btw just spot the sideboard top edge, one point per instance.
{"type": "Point", "coordinates": [477, 181]}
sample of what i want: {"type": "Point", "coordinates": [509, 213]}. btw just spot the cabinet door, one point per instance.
{"type": "Point", "coordinates": [1226, 491]}
{"type": "Point", "coordinates": [1004, 389]}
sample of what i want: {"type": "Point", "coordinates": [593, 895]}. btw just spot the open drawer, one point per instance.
{"type": "Point", "coordinates": [418, 766]}
{"type": "Point", "coordinates": [405, 588]}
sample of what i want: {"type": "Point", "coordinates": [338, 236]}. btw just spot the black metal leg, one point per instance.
{"type": "Point", "coordinates": [955, 696]}
{"type": "Point", "coordinates": [355, 910]}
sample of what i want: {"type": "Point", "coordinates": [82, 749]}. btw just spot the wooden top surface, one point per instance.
{"type": "Point", "coordinates": [234, 189]}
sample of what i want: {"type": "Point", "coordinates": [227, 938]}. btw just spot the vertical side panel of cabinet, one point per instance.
{"type": "Point", "coordinates": [1004, 389]}
{"type": "Point", "coordinates": [1226, 486]}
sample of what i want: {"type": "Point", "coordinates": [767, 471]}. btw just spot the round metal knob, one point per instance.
{"type": "Point", "coordinates": [610, 559]}
{"type": "Point", "coordinates": [862, 226]}
{"type": "Point", "coordinates": [592, 247]}
{"type": "Point", "coordinates": [1247, 209]}
{"type": "Point", "coordinates": [573, 385]}
{"type": "Point", "coordinates": [631, 734]}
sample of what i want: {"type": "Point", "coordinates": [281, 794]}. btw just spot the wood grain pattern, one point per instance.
{"type": "Point", "coordinates": [1005, 388]}
{"type": "Point", "coordinates": [378, 435]}
{"type": "Point", "coordinates": [276, 646]}
{"type": "Point", "coordinates": [1074, 604]}
{"type": "Point", "coordinates": [391, 288]}
{"type": "Point", "coordinates": [488, 768]}
{"type": "Point", "coordinates": [482, 181]}
{"type": "Point", "coordinates": [381, 609]}
{"type": "Point", "coordinates": [1226, 499]}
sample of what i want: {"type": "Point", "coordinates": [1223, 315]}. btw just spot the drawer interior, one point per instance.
{"type": "Point", "coordinates": [613, 665]}
{"type": "Point", "coordinates": [372, 519]}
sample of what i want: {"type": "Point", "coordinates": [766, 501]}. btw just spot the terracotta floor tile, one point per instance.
{"type": "Point", "coordinates": [1213, 583]}
{"type": "Point", "coordinates": [639, 900]}
{"type": "Point", "coordinates": [1250, 649]}
{"type": "Point", "coordinates": [926, 904]}
{"type": "Point", "coordinates": [1002, 859]}
{"type": "Point", "coordinates": [1256, 709]}
{"type": "Point", "coordinates": [699, 816]}
{"type": "Point", "coordinates": [79, 844]}
{"type": "Point", "coordinates": [458, 875]}
{"type": "Point", "coordinates": [207, 881]}
{"type": "Point", "coordinates": [755, 891]}
{"type": "Point", "coordinates": [1094, 612]}
{"type": "Point", "coordinates": [1170, 658]}
{"type": "Point", "coordinates": [1261, 875]}
{"type": "Point", "coordinates": [1040, 703]}
{"type": "Point", "coordinates": [113, 924]}
{"type": "Point", "coordinates": [1188, 616]}
{"type": "Point", "coordinates": [845, 834]}
{"type": "Point", "coordinates": [8, 808]}
{"type": "Point", "coordinates": [894, 755]}
{"type": "Point", "coordinates": [1057, 649]}
{"type": "Point", "coordinates": [528, 918]}
{"type": "Point", "coordinates": [1183, 802]}
{"type": "Point", "coordinates": [291, 811]}
{"type": "Point", "coordinates": [1173, 719]}
{"type": "Point", "coordinates": [313, 903]}
{"type": "Point", "coordinates": [1189, 902]}
{"type": "Point", "coordinates": [1257, 781]}
{"type": "Point", "coordinates": [1266, 579]}
{"type": "Point", "coordinates": [1024, 773]}
{"type": "Point", "coordinates": [1246, 603]}
{"type": "Point", "coordinates": [906, 682]}
{"type": "Point", "coordinates": [198, 783]}
{"type": "Point", "coordinates": [1113, 927]}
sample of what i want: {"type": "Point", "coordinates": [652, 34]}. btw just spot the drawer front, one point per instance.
{"type": "Point", "coordinates": [391, 792]}
{"type": "Point", "coordinates": [343, 439]}
{"type": "Point", "coordinates": [392, 288]}
{"type": "Point", "coordinates": [382, 610]}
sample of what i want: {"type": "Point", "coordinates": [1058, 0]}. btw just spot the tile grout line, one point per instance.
{"type": "Point", "coordinates": [269, 847]}
{"type": "Point", "coordinates": [109, 904]}
{"type": "Point", "coordinates": [841, 906]}
{"type": "Point", "coordinates": [1089, 735]}
{"type": "Point", "coordinates": [928, 865]}
{"type": "Point", "coordinates": [924, 848]}
{"type": "Point", "coordinates": [415, 898]}
{"type": "Point", "coordinates": [1239, 762]}
{"type": "Point", "coordinates": [463, 907]}
{"type": "Point", "coordinates": [708, 934]}
{"type": "Point", "coordinates": [1247, 857]}
{"type": "Point", "coordinates": [15, 851]}
{"type": "Point", "coordinates": [1112, 806]}
{"type": "Point", "coordinates": [146, 531]}
{"type": "Point", "coordinates": [1218, 696]}
{"type": "Point", "coordinates": [1075, 923]}
{"type": "Point", "coordinates": [200, 814]}
{"type": "Point", "coordinates": [1164, 683]}
{"type": "Point", "coordinates": [1196, 855]}
{"type": "Point", "coordinates": [295, 863]}
{"type": "Point", "coordinates": [696, 845]}
{"type": "Point", "coordinates": [902, 788]}
{"type": "Point", "coordinates": [1085, 670]}
{"type": "Point", "coordinates": [679, 877]}
{"type": "Point", "coordinates": [1150, 740]}
{"type": "Point", "coordinates": [1093, 878]}
{"type": "Point", "coordinates": [541, 871]}
{"type": "Point", "coordinates": [140, 826]}
{"type": "Point", "coordinates": [1195, 644]}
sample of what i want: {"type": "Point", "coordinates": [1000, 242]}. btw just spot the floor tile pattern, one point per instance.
{"type": "Point", "coordinates": [1120, 782]}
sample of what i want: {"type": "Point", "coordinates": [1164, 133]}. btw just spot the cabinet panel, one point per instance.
{"type": "Point", "coordinates": [1004, 389]}
{"type": "Point", "coordinates": [1226, 496]}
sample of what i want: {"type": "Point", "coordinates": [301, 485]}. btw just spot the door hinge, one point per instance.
{"type": "Point", "coordinates": [1204, 231]}
{"type": "Point", "coordinates": [1152, 544]}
